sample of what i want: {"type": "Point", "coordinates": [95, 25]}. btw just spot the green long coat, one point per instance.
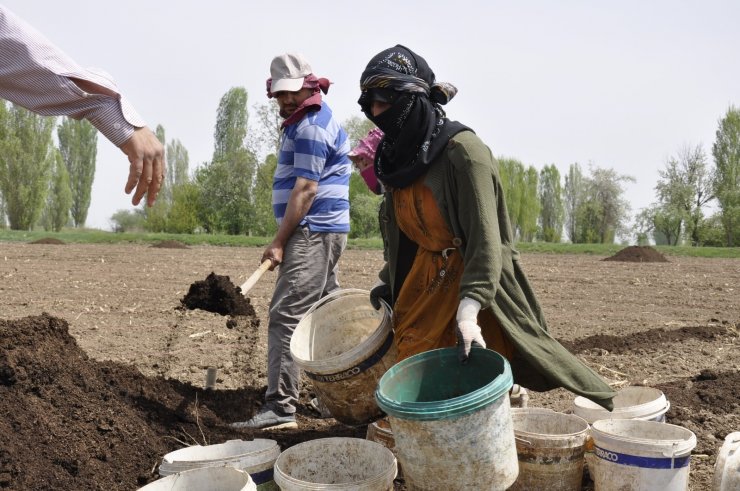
{"type": "Point", "coordinates": [466, 185]}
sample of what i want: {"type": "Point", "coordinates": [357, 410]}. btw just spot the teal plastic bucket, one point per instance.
{"type": "Point", "coordinates": [451, 422]}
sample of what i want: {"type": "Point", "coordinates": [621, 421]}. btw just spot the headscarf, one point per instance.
{"type": "Point", "coordinates": [415, 125]}
{"type": "Point", "coordinates": [313, 103]}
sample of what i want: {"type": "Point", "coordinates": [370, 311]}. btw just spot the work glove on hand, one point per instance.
{"type": "Point", "coordinates": [380, 291]}
{"type": "Point", "coordinates": [468, 330]}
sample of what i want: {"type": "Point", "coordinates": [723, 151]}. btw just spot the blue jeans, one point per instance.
{"type": "Point", "coordinates": [308, 273]}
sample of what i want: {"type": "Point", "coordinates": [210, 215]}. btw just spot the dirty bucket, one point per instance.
{"type": "Point", "coordinates": [451, 422]}
{"type": "Point", "coordinates": [380, 432]}
{"type": "Point", "coordinates": [646, 403]}
{"type": "Point", "coordinates": [640, 455]}
{"type": "Point", "coordinates": [550, 447]}
{"type": "Point", "coordinates": [223, 478]}
{"type": "Point", "coordinates": [346, 464]}
{"type": "Point", "coordinates": [727, 467]}
{"type": "Point", "coordinates": [256, 457]}
{"type": "Point", "coordinates": [344, 346]}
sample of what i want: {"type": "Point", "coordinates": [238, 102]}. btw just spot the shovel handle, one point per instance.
{"type": "Point", "coordinates": [255, 276]}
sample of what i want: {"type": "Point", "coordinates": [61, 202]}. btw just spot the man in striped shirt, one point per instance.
{"type": "Point", "coordinates": [37, 75]}
{"type": "Point", "coordinates": [310, 198]}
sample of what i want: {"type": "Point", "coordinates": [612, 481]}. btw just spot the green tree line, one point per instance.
{"type": "Point", "coordinates": [41, 184]}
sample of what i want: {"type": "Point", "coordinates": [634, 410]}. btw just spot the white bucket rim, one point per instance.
{"type": "Point", "coordinates": [267, 449]}
{"type": "Point", "coordinates": [349, 358]}
{"type": "Point", "coordinates": [525, 412]}
{"type": "Point", "coordinates": [168, 482]}
{"type": "Point", "coordinates": [282, 478]}
{"type": "Point", "coordinates": [624, 431]}
{"type": "Point", "coordinates": [590, 411]}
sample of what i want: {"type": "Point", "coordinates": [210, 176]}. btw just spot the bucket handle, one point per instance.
{"type": "Point", "coordinates": [523, 441]}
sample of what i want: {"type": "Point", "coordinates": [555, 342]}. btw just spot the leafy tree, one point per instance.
{"type": "Point", "coordinates": [551, 204]}
{"type": "Point", "coordinates": [183, 216]}
{"type": "Point", "coordinates": [26, 160]}
{"type": "Point", "coordinates": [684, 188]}
{"type": "Point", "coordinates": [357, 128]}
{"type": "Point", "coordinates": [529, 210]}
{"type": "Point", "coordinates": [265, 138]}
{"type": "Point", "coordinates": [726, 184]}
{"type": "Point", "coordinates": [78, 144]}
{"type": "Point", "coordinates": [364, 214]}
{"type": "Point", "coordinates": [658, 221]}
{"type": "Point", "coordinates": [511, 172]}
{"type": "Point", "coordinates": [265, 224]}
{"type": "Point", "coordinates": [128, 220]}
{"type": "Point", "coordinates": [574, 192]}
{"type": "Point", "coordinates": [604, 210]}
{"type": "Point", "coordinates": [60, 199]}
{"type": "Point", "coordinates": [178, 164]}
{"type": "Point", "coordinates": [225, 184]}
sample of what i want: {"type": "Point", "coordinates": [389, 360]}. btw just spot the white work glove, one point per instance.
{"type": "Point", "coordinates": [468, 330]}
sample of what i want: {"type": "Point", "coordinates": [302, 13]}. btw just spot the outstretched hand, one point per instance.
{"type": "Point", "coordinates": [147, 165]}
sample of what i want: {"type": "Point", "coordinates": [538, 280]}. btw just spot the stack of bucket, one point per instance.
{"type": "Point", "coordinates": [256, 457]}
{"type": "Point", "coordinates": [344, 346]}
{"type": "Point", "coordinates": [633, 447]}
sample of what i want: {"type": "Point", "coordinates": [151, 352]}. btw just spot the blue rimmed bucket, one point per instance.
{"type": "Point", "coordinates": [451, 422]}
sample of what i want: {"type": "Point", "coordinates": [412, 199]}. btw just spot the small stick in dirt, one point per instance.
{"type": "Point", "coordinates": [197, 421]}
{"type": "Point", "coordinates": [612, 371]}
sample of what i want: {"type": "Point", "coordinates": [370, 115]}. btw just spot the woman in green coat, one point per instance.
{"type": "Point", "coordinates": [453, 276]}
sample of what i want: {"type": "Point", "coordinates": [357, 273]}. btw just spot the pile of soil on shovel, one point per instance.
{"type": "Point", "coordinates": [638, 254]}
{"type": "Point", "coordinates": [219, 295]}
{"type": "Point", "coordinates": [69, 422]}
{"type": "Point", "coordinates": [48, 240]}
{"type": "Point", "coordinates": [170, 244]}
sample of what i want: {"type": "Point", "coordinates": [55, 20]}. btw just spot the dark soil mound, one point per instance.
{"type": "Point", "coordinates": [71, 423]}
{"type": "Point", "coordinates": [170, 244]}
{"type": "Point", "coordinates": [219, 295]}
{"type": "Point", "coordinates": [638, 254]}
{"type": "Point", "coordinates": [48, 240]}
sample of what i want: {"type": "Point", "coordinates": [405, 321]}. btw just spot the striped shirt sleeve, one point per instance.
{"type": "Point", "coordinates": [37, 75]}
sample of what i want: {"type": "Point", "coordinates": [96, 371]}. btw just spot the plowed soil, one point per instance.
{"type": "Point", "coordinates": [102, 369]}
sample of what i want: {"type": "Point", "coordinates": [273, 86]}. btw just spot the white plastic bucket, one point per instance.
{"type": "Point", "coordinates": [635, 455]}
{"type": "Point", "coordinates": [344, 346]}
{"type": "Point", "coordinates": [550, 447]}
{"type": "Point", "coordinates": [727, 467]}
{"type": "Point", "coordinates": [451, 422]}
{"type": "Point", "coordinates": [346, 464]}
{"type": "Point", "coordinates": [257, 457]}
{"type": "Point", "coordinates": [224, 478]}
{"type": "Point", "coordinates": [646, 403]}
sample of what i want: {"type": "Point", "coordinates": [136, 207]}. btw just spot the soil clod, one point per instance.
{"type": "Point", "coordinates": [170, 244]}
{"type": "Point", "coordinates": [48, 240]}
{"type": "Point", "coordinates": [219, 295]}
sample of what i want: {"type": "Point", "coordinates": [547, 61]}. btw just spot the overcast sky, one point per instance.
{"type": "Point", "coordinates": [620, 85]}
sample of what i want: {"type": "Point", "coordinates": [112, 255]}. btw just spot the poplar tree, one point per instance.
{"type": "Point", "coordinates": [60, 199]}
{"type": "Point", "coordinates": [726, 152]}
{"type": "Point", "coordinates": [551, 204]}
{"type": "Point", "coordinates": [78, 144]}
{"type": "Point", "coordinates": [26, 159]}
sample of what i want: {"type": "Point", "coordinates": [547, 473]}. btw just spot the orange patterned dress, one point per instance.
{"type": "Point", "coordinates": [424, 313]}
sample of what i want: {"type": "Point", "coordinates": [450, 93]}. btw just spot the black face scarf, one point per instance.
{"type": "Point", "coordinates": [415, 126]}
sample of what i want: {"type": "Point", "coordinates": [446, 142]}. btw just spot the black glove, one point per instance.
{"type": "Point", "coordinates": [381, 291]}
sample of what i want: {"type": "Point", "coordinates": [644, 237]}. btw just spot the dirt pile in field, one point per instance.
{"type": "Point", "coordinates": [72, 423]}
{"type": "Point", "coordinates": [48, 240]}
{"type": "Point", "coordinates": [219, 295]}
{"type": "Point", "coordinates": [638, 254]}
{"type": "Point", "coordinates": [170, 244]}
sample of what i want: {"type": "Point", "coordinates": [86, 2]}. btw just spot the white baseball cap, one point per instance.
{"type": "Point", "coordinates": [288, 71]}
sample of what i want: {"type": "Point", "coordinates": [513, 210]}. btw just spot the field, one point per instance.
{"type": "Point", "coordinates": [95, 392]}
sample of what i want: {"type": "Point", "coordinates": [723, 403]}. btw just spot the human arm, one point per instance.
{"type": "Point", "coordinates": [37, 75]}
{"type": "Point", "coordinates": [300, 201]}
{"type": "Point", "coordinates": [478, 216]}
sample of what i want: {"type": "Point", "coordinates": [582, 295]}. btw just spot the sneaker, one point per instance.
{"type": "Point", "coordinates": [267, 419]}
{"type": "Point", "coordinates": [320, 408]}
